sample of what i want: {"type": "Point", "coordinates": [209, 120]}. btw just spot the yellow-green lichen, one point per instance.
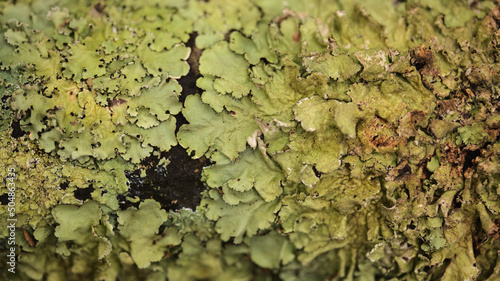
{"type": "Point", "coordinates": [348, 140]}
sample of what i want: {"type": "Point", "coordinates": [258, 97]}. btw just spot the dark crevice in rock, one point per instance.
{"type": "Point", "coordinates": [4, 199]}
{"type": "Point", "coordinates": [178, 184]}
{"type": "Point", "coordinates": [470, 159]}
{"type": "Point", "coordinates": [188, 82]}
{"type": "Point", "coordinates": [175, 186]}
{"type": "Point", "coordinates": [17, 132]}
{"type": "Point", "coordinates": [64, 185]}
{"type": "Point", "coordinates": [83, 193]}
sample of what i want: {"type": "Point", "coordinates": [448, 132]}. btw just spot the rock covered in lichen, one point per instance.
{"type": "Point", "coordinates": [378, 138]}
{"type": "Point", "coordinates": [352, 140]}
{"type": "Point", "coordinates": [43, 181]}
{"type": "Point", "coordinates": [93, 79]}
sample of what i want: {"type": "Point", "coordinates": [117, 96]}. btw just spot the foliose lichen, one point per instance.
{"type": "Point", "coordinates": [93, 80]}
{"type": "Point", "coordinates": [348, 140]}
{"type": "Point", "coordinates": [43, 181]}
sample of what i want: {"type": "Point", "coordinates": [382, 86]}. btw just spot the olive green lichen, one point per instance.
{"type": "Point", "coordinates": [43, 181]}
{"type": "Point", "coordinates": [92, 242]}
{"type": "Point", "coordinates": [348, 140]}
{"type": "Point", "coordinates": [356, 125]}
{"type": "Point", "coordinates": [95, 79]}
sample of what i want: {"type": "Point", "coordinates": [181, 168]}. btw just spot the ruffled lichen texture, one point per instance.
{"type": "Point", "coordinates": [346, 140]}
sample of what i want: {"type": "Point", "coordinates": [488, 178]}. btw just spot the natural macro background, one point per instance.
{"type": "Point", "coordinates": [251, 139]}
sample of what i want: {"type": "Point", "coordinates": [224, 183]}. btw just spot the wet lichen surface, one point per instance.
{"type": "Point", "coordinates": [250, 140]}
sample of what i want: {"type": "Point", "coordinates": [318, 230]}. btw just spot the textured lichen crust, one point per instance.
{"type": "Point", "coordinates": [43, 181]}
{"type": "Point", "coordinates": [347, 140]}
